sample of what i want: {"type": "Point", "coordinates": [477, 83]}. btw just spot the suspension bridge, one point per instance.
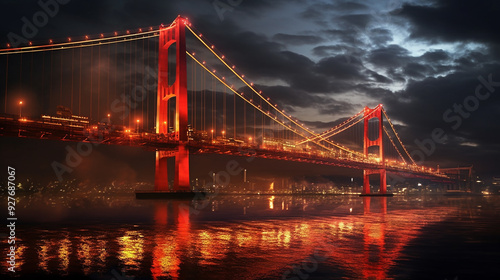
{"type": "Point", "coordinates": [170, 90]}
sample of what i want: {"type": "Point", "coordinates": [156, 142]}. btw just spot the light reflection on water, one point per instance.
{"type": "Point", "coordinates": [247, 238]}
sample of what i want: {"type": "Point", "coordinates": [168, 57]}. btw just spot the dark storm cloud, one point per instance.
{"type": "Point", "coordinates": [455, 20]}
{"type": "Point", "coordinates": [350, 6]}
{"type": "Point", "coordinates": [357, 20]}
{"type": "Point", "coordinates": [317, 11]}
{"type": "Point", "coordinates": [332, 50]}
{"type": "Point", "coordinates": [422, 104]}
{"type": "Point", "coordinates": [435, 56]}
{"type": "Point", "coordinates": [341, 67]}
{"type": "Point", "coordinates": [378, 77]}
{"type": "Point", "coordinates": [297, 39]}
{"type": "Point", "coordinates": [417, 70]}
{"type": "Point", "coordinates": [346, 36]}
{"type": "Point", "coordinates": [259, 57]}
{"type": "Point", "coordinates": [292, 100]}
{"type": "Point", "coordinates": [380, 36]}
{"type": "Point", "coordinates": [293, 97]}
{"type": "Point", "coordinates": [389, 57]}
{"type": "Point", "coordinates": [471, 60]}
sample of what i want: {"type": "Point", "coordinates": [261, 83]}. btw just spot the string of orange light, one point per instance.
{"type": "Point", "coordinates": [397, 136]}
{"type": "Point", "coordinates": [394, 144]}
{"type": "Point", "coordinates": [256, 106]}
{"type": "Point", "coordinates": [259, 93]}
{"type": "Point", "coordinates": [86, 42]}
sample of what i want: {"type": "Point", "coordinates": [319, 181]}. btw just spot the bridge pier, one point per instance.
{"type": "Point", "coordinates": [161, 172]}
{"type": "Point", "coordinates": [181, 180]}
{"type": "Point", "coordinates": [366, 181]}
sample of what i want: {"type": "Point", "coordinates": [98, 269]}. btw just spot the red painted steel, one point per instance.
{"type": "Point", "coordinates": [370, 114]}
{"type": "Point", "coordinates": [174, 34]}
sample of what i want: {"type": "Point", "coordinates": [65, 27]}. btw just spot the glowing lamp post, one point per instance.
{"type": "Point", "coordinates": [138, 121]}
{"type": "Point", "coordinates": [223, 134]}
{"type": "Point", "coordinates": [212, 131]}
{"type": "Point", "coordinates": [20, 108]}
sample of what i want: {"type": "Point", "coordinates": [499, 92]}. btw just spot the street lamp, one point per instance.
{"type": "Point", "coordinates": [212, 131]}
{"type": "Point", "coordinates": [138, 121]}
{"type": "Point", "coordinates": [223, 134]}
{"type": "Point", "coordinates": [20, 108]}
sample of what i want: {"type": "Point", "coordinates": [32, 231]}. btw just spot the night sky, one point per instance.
{"type": "Point", "coordinates": [433, 64]}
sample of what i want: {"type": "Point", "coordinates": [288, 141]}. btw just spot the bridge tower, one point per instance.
{"type": "Point", "coordinates": [173, 36]}
{"type": "Point", "coordinates": [371, 114]}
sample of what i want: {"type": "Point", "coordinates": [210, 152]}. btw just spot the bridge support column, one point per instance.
{"type": "Point", "coordinates": [170, 37]}
{"type": "Point", "coordinates": [366, 180]}
{"type": "Point", "coordinates": [371, 114]}
{"type": "Point", "coordinates": [161, 172]}
{"type": "Point", "coordinates": [181, 180]}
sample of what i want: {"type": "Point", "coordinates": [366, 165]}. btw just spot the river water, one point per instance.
{"type": "Point", "coordinates": [257, 237]}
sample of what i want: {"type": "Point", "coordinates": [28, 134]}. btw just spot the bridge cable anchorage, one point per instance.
{"type": "Point", "coordinates": [261, 110]}
{"type": "Point", "coordinates": [265, 100]}
{"type": "Point", "coordinates": [397, 136]}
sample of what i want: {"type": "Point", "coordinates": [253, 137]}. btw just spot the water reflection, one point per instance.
{"type": "Point", "coordinates": [362, 237]}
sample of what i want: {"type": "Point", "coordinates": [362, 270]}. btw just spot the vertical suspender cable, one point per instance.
{"type": "Point", "coordinates": [80, 87]}
{"type": "Point", "coordinates": [61, 81]}
{"type": "Point", "coordinates": [72, 77]}
{"type": "Point", "coordinates": [234, 116]}
{"type": "Point", "coordinates": [224, 110]}
{"type": "Point", "coordinates": [6, 82]}
{"type": "Point", "coordinates": [98, 82]}
{"type": "Point", "coordinates": [147, 86]}
{"type": "Point", "coordinates": [124, 79]}
{"type": "Point", "coordinates": [50, 78]}
{"type": "Point", "coordinates": [109, 77]}
{"type": "Point", "coordinates": [91, 79]}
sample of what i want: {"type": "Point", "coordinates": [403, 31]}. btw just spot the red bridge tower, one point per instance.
{"type": "Point", "coordinates": [173, 36]}
{"type": "Point", "coordinates": [370, 114]}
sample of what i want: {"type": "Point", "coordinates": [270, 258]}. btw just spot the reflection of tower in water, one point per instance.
{"type": "Point", "coordinates": [170, 241]}
{"type": "Point", "coordinates": [374, 263]}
